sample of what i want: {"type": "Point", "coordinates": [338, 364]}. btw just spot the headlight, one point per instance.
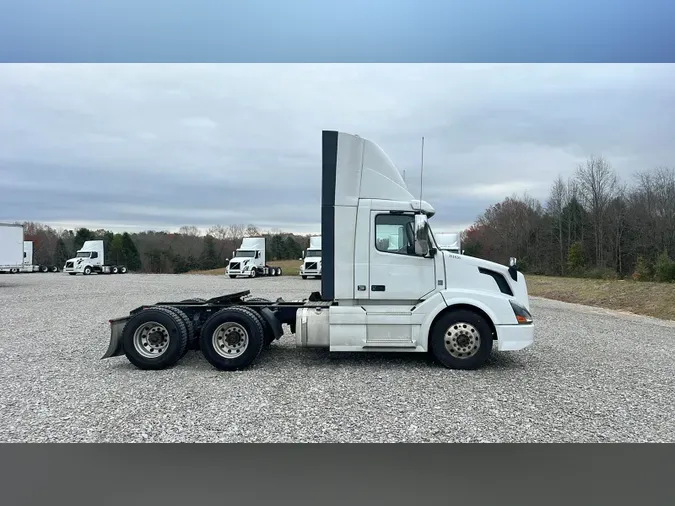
{"type": "Point", "coordinates": [522, 315]}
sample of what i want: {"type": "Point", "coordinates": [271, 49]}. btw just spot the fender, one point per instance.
{"type": "Point", "coordinates": [449, 298]}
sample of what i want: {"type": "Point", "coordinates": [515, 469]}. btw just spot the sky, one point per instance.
{"type": "Point", "coordinates": [157, 146]}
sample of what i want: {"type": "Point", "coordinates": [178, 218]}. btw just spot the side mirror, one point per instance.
{"type": "Point", "coordinates": [512, 262]}
{"type": "Point", "coordinates": [303, 255]}
{"type": "Point", "coordinates": [421, 235]}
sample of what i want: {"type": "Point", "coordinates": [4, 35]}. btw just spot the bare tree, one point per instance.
{"type": "Point", "coordinates": [556, 204]}
{"type": "Point", "coordinates": [252, 231]}
{"type": "Point", "coordinates": [189, 230]}
{"type": "Point", "coordinates": [598, 187]}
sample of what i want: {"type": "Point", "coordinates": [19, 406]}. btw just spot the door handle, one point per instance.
{"type": "Point", "coordinates": [377, 288]}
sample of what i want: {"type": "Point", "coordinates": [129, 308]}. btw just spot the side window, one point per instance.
{"type": "Point", "coordinates": [394, 233]}
{"type": "Point", "coordinates": [94, 254]}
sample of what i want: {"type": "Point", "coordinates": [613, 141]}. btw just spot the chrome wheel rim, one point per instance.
{"type": "Point", "coordinates": [462, 340]}
{"type": "Point", "coordinates": [230, 340]}
{"type": "Point", "coordinates": [151, 340]}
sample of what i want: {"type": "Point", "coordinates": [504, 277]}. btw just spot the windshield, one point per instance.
{"type": "Point", "coordinates": [83, 254]}
{"type": "Point", "coordinates": [248, 254]}
{"type": "Point", "coordinates": [313, 253]}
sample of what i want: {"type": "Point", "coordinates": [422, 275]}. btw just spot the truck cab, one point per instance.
{"type": "Point", "coordinates": [311, 259]}
{"type": "Point", "coordinates": [249, 260]}
{"type": "Point", "coordinates": [88, 259]}
{"type": "Point", "coordinates": [386, 286]}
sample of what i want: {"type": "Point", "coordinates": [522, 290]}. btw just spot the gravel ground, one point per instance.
{"type": "Point", "coordinates": [591, 376]}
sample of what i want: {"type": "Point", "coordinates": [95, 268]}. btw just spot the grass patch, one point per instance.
{"type": "Point", "coordinates": [288, 268]}
{"type": "Point", "coordinates": [645, 298]}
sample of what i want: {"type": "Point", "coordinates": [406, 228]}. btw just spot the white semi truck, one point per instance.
{"type": "Point", "coordinates": [451, 242]}
{"type": "Point", "coordinates": [29, 266]}
{"type": "Point", "coordinates": [89, 259]}
{"type": "Point", "coordinates": [11, 248]}
{"type": "Point", "coordinates": [414, 298]}
{"type": "Point", "coordinates": [249, 260]}
{"type": "Point", "coordinates": [311, 259]}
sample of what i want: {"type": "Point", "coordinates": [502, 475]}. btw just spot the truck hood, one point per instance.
{"type": "Point", "coordinates": [242, 261]}
{"type": "Point", "coordinates": [519, 286]}
{"type": "Point", "coordinates": [76, 259]}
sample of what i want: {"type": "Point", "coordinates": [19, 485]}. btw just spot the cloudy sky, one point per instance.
{"type": "Point", "coordinates": [152, 146]}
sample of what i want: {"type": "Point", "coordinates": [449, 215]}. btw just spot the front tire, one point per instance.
{"type": "Point", "coordinates": [231, 339]}
{"type": "Point", "coordinates": [304, 277]}
{"type": "Point", "coordinates": [254, 273]}
{"type": "Point", "coordinates": [461, 340]}
{"type": "Point", "coordinates": [87, 271]}
{"type": "Point", "coordinates": [232, 276]}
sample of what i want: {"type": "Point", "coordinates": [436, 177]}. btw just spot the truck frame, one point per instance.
{"type": "Point", "coordinates": [413, 297]}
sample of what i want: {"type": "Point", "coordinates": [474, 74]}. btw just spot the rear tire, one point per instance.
{"type": "Point", "coordinates": [461, 339]}
{"type": "Point", "coordinates": [44, 269]}
{"type": "Point", "coordinates": [55, 269]}
{"type": "Point", "coordinates": [155, 338]}
{"type": "Point", "coordinates": [269, 334]}
{"type": "Point", "coordinates": [279, 271]}
{"type": "Point", "coordinates": [114, 270]}
{"type": "Point", "coordinates": [231, 339]}
{"type": "Point", "coordinates": [123, 270]}
{"type": "Point", "coordinates": [188, 325]}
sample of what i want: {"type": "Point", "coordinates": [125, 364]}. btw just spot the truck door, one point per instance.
{"type": "Point", "coordinates": [396, 272]}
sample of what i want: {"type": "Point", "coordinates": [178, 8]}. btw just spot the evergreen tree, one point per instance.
{"type": "Point", "coordinates": [133, 259]}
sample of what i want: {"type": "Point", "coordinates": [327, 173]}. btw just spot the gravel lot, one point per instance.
{"type": "Point", "coordinates": [592, 376]}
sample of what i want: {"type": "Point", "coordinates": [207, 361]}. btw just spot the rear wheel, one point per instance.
{"type": "Point", "coordinates": [123, 270]}
{"type": "Point", "coordinates": [44, 269]}
{"type": "Point", "coordinates": [114, 270]}
{"type": "Point", "coordinates": [155, 338]}
{"type": "Point", "coordinates": [461, 340]}
{"type": "Point", "coordinates": [279, 273]}
{"type": "Point", "coordinates": [231, 339]}
{"type": "Point", "coordinates": [55, 269]}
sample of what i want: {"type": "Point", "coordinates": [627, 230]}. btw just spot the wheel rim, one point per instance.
{"type": "Point", "coordinates": [462, 340]}
{"type": "Point", "coordinates": [151, 340]}
{"type": "Point", "coordinates": [230, 340]}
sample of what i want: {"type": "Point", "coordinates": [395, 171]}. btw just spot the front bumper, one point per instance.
{"type": "Point", "coordinates": [514, 337]}
{"type": "Point", "coordinates": [239, 272]}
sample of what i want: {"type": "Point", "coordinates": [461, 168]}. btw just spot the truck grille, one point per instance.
{"type": "Point", "coordinates": [234, 265]}
{"type": "Point", "coordinates": [69, 265]}
{"type": "Point", "coordinates": [310, 265]}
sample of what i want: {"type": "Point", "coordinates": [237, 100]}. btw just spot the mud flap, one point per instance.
{"type": "Point", "coordinates": [274, 323]}
{"type": "Point", "coordinates": [116, 346]}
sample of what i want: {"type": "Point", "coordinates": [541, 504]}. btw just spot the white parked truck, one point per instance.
{"type": "Point", "coordinates": [89, 259]}
{"type": "Point", "coordinates": [249, 260]}
{"type": "Point", "coordinates": [11, 248]}
{"type": "Point", "coordinates": [29, 266]}
{"type": "Point", "coordinates": [451, 242]}
{"type": "Point", "coordinates": [416, 298]}
{"type": "Point", "coordinates": [311, 259]}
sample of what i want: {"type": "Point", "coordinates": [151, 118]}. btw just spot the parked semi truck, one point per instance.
{"type": "Point", "coordinates": [249, 260]}
{"type": "Point", "coordinates": [11, 248]}
{"type": "Point", "coordinates": [89, 259]}
{"type": "Point", "coordinates": [311, 259]}
{"type": "Point", "coordinates": [29, 266]}
{"type": "Point", "coordinates": [415, 298]}
{"type": "Point", "coordinates": [451, 242]}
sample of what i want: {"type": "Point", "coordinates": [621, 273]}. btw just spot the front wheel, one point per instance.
{"type": "Point", "coordinates": [87, 271]}
{"type": "Point", "coordinates": [304, 277]}
{"type": "Point", "coordinates": [461, 340]}
{"type": "Point", "coordinates": [254, 273]}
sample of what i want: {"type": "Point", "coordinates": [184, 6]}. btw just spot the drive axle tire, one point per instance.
{"type": "Point", "coordinates": [231, 339]}
{"type": "Point", "coordinates": [188, 325]}
{"type": "Point", "coordinates": [269, 334]}
{"type": "Point", "coordinates": [155, 338]}
{"type": "Point", "coordinates": [461, 340]}
{"type": "Point", "coordinates": [279, 271]}
{"type": "Point", "coordinates": [123, 270]}
{"type": "Point", "coordinates": [114, 270]}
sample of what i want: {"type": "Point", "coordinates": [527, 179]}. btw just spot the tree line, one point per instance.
{"type": "Point", "coordinates": [160, 252]}
{"type": "Point", "coordinates": [591, 225]}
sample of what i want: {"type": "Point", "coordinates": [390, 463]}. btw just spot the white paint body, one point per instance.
{"type": "Point", "coordinates": [413, 289]}
{"type": "Point", "coordinates": [249, 256]}
{"type": "Point", "coordinates": [90, 255]}
{"type": "Point", "coordinates": [11, 247]}
{"type": "Point", "coordinates": [451, 242]}
{"type": "Point", "coordinates": [311, 264]}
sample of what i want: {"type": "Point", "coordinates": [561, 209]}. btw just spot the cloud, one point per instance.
{"type": "Point", "coordinates": [164, 145]}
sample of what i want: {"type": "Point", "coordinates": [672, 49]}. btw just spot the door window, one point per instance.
{"type": "Point", "coordinates": [394, 233]}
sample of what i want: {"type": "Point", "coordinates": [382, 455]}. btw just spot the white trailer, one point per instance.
{"type": "Point", "coordinates": [29, 266]}
{"type": "Point", "coordinates": [89, 259]}
{"type": "Point", "coordinates": [415, 298]}
{"type": "Point", "coordinates": [11, 248]}
{"type": "Point", "coordinates": [311, 259]}
{"type": "Point", "coordinates": [249, 260]}
{"type": "Point", "coordinates": [451, 242]}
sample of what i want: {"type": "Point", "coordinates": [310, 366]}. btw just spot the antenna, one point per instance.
{"type": "Point", "coordinates": [421, 172]}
